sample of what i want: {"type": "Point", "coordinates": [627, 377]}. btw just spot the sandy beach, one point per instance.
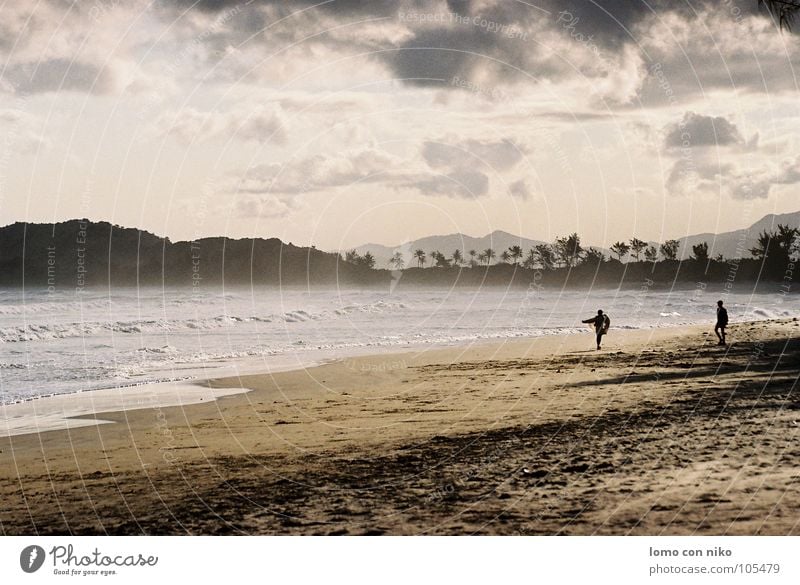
{"type": "Point", "coordinates": [661, 432]}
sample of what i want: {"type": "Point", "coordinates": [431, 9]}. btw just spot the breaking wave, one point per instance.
{"type": "Point", "coordinates": [44, 332]}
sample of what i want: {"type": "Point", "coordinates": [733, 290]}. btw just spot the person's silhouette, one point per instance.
{"type": "Point", "coordinates": [601, 324]}
{"type": "Point", "coordinates": [722, 323]}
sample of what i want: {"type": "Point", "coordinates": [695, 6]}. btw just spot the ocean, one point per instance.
{"type": "Point", "coordinates": [56, 343]}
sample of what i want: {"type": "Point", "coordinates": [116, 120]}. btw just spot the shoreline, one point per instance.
{"type": "Point", "coordinates": [662, 432]}
{"type": "Point", "coordinates": [58, 412]}
{"type": "Point", "coordinates": [54, 412]}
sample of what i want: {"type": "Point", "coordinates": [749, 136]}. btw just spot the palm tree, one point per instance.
{"type": "Point", "coordinates": [651, 254]}
{"type": "Point", "coordinates": [457, 257]}
{"type": "Point", "coordinates": [637, 247]}
{"type": "Point", "coordinates": [482, 257]}
{"type": "Point", "coordinates": [472, 255]}
{"type": "Point", "coordinates": [505, 256]}
{"type": "Point", "coordinates": [568, 249]}
{"type": "Point", "coordinates": [621, 249]}
{"type": "Point", "coordinates": [783, 10]}
{"type": "Point", "coordinates": [420, 256]}
{"type": "Point", "coordinates": [368, 260]}
{"type": "Point", "coordinates": [516, 253]}
{"type": "Point", "coordinates": [489, 255]}
{"type": "Point", "coordinates": [545, 256]}
{"type": "Point", "coordinates": [594, 257]}
{"type": "Point", "coordinates": [397, 261]}
{"type": "Point", "coordinates": [530, 259]}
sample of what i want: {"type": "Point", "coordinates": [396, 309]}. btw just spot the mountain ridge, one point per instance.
{"type": "Point", "coordinates": [730, 244]}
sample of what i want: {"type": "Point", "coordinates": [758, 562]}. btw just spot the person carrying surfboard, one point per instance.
{"type": "Point", "coordinates": [601, 324]}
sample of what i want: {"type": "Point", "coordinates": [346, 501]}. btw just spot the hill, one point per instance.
{"type": "Point", "coordinates": [78, 253]}
{"type": "Point", "coordinates": [737, 244]}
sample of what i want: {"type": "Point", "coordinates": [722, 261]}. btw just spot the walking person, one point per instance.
{"type": "Point", "coordinates": [601, 324]}
{"type": "Point", "coordinates": [722, 323]}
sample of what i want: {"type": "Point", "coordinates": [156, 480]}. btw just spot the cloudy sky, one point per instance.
{"type": "Point", "coordinates": [349, 121]}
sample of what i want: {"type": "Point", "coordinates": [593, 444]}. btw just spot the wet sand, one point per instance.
{"type": "Point", "coordinates": [661, 432]}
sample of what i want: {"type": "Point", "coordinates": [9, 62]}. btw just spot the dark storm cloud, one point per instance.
{"type": "Point", "coordinates": [493, 41]}
{"type": "Point", "coordinates": [612, 22]}
{"type": "Point", "coordinates": [436, 56]}
{"type": "Point", "coordinates": [604, 26]}
{"type": "Point", "coordinates": [340, 7]}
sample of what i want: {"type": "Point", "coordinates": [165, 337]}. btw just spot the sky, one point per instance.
{"type": "Point", "coordinates": [342, 122]}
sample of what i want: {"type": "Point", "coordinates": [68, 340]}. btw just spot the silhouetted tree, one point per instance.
{"type": "Point", "coordinates": [530, 259]}
{"type": "Point", "coordinates": [367, 260]}
{"type": "Point", "coordinates": [351, 256]}
{"type": "Point", "coordinates": [505, 256]}
{"type": "Point", "coordinates": [775, 248]}
{"type": "Point", "coordinates": [397, 261]}
{"type": "Point", "coordinates": [568, 249]}
{"type": "Point", "coordinates": [594, 257]}
{"type": "Point", "coordinates": [440, 259]}
{"type": "Point", "coordinates": [457, 257]}
{"type": "Point", "coordinates": [489, 255]}
{"type": "Point", "coordinates": [637, 247]}
{"type": "Point", "coordinates": [784, 11]}
{"type": "Point", "coordinates": [787, 239]}
{"type": "Point", "coordinates": [516, 253]}
{"type": "Point", "coordinates": [700, 252]}
{"type": "Point", "coordinates": [621, 249]}
{"type": "Point", "coordinates": [420, 256]}
{"type": "Point", "coordinates": [669, 249]}
{"type": "Point", "coordinates": [651, 254]}
{"type": "Point", "coordinates": [472, 255]}
{"type": "Point", "coordinates": [545, 256]}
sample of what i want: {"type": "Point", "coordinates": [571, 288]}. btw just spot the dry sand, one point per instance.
{"type": "Point", "coordinates": [662, 432]}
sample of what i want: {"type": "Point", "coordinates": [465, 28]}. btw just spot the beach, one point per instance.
{"type": "Point", "coordinates": [661, 432]}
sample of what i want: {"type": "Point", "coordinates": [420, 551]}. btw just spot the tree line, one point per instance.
{"type": "Point", "coordinates": [774, 248]}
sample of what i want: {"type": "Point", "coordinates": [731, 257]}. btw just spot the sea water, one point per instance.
{"type": "Point", "coordinates": [54, 343]}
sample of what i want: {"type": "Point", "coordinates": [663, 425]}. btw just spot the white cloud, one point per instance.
{"type": "Point", "coordinates": [741, 180]}
{"type": "Point", "coordinates": [267, 206]}
{"type": "Point", "coordinates": [496, 154]}
{"type": "Point", "coordinates": [23, 132]}
{"type": "Point", "coordinates": [318, 173]}
{"type": "Point", "coordinates": [262, 125]}
{"type": "Point", "coordinates": [460, 183]}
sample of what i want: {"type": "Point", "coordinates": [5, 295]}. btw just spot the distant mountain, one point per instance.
{"type": "Point", "coordinates": [737, 244]}
{"type": "Point", "coordinates": [79, 253]}
{"type": "Point", "coordinates": [497, 240]}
